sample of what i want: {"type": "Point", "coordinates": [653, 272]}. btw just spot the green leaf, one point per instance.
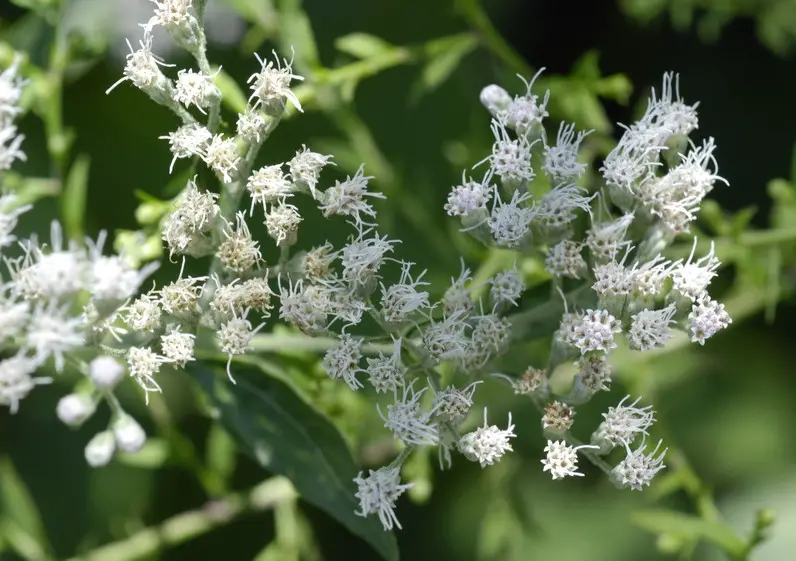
{"type": "Point", "coordinates": [258, 12]}
{"type": "Point", "coordinates": [288, 436]}
{"type": "Point", "coordinates": [21, 524]}
{"type": "Point", "coordinates": [231, 94]}
{"type": "Point", "coordinates": [296, 33]}
{"type": "Point", "coordinates": [362, 45]}
{"type": "Point", "coordinates": [686, 526]}
{"type": "Point", "coordinates": [444, 54]}
{"type": "Point", "coordinates": [220, 455]}
{"type": "Point", "coordinates": [153, 455]}
{"type": "Point", "coordinates": [73, 198]}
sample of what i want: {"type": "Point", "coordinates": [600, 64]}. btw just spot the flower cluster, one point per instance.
{"type": "Point", "coordinates": [602, 247]}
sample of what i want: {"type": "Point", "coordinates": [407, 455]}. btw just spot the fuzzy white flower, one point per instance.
{"type": "Point", "coordinates": [407, 421]}
{"type": "Point", "coordinates": [495, 99]}
{"type": "Point", "coordinates": [10, 211]}
{"type": "Point", "coordinates": [53, 333]}
{"type": "Point", "coordinates": [623, 424]}
{"type": "Point", "coordinates": [387, 373]}
{"type": "Point", "coordinates": [282, 223]}
{"type": "Point", "coordinates": [221, 155]}
{"type": "Point", "coordinates": [342, 360]}
{"type": "Point", "coordinates": [129, 435]}
{"type": "Point", "coordinates": [268, 184]}
{"type": "Point", "coordinates": [565, 260]}
{"type": "Point", "coordinates": [457, 297]}
{"type": "Point", "coordinates": [143, 314]}
{"type": "Point", "coordinates": [510, 222]}
{"type": "Point", "coordinates": [469, 196]}
{"type": "Point", "coordinates": [561, 160]}
{"type": "Point", "coordinates": [306, 166]}
{"type": "Point", "coordinates": [606, 239]}
{"type": "Point", "coordinates": [511, 158]}
{"type": "Point", "coordinates": [446, 339]}
{"type": "Point", "coordinates": [707, 318]}
{"type": "Point", "coordinates": [17, 381]}
{"type": "Point", "coordinates": [271, 85]}
{"type": "Point", "coordinates": [143, 363]}
{"type": "Point", "coordinates": [188, 141]}
{"type": "Point", "coordinates": [111, 279]}
{"type": "Point", "coordinates": [73, 409]}
{"type": "Point", "coordinates": [453, 404]}
{"type": "Point", "coordinates": [637, 469]}
{"type": "Point", "coordinates": [650, 328]}
{"type": "Point", "coordinates": [557, 207]}
{"type": "Point", "coordinates": [195, 88]}
{"type": "Point", "coordinates": [402, 299]}
{"type": "Point", "coordinates": [594, 331]}
{"type": "Point", "coordinates": [487, 444]}
{"type": "Point", "coordinates": [239, 252]}
{"type": "Point", "coordinates": [562, 459]}
{"type": "Point", "coordinates": [178, 347]}
{"type": "Point", "coordinates": [251, 124]}
{"type": "Point", "coordinates": [105, 372]}
{"type": "Point", "coordinates": [506, 287]}
{"type": "Point", "coordinates": [691, 279]}
{"type": "Point", "coordinates": [378, 493]}
{"type": "Point", "coordinates": [234, 338]}
{"type": "Point", "coordinates": [362, 257]}
{"type": "Point", "coordinates": [349, 197]}
{"type": "Point", "coordinates": [300, 306]}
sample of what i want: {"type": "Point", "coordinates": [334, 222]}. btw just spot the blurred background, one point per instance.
{"type": "Point", "coordinates": [728, 407]}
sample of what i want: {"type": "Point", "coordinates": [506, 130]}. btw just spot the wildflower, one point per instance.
{"type": "Point", "coordinates": [271, 85]}
{"type": "Point", "coordinates": [342, 360]}
{"type": "Point", "coordinates": [378, 493]}
{"type": "Point", "coordinates": [14, 315]}
{"type": "Point", "coordinates": [558, 417]}
{"type": "Point", "coordinates": [510, 222]}
{"type": "Point", "coordinates": [650, 328]}
{"type": "Point", "coordinates": [402, 299]}
{"type": "Point", "coordinates": [557, 207]}
{"type": "Point", "coordinates": [511, 158]}
{"type": "Point", "coordinates": [143, 314]}
{"type": "Point", "coordinates": [594, 375]}
{"type": "Point", "coordinates": [565, 260]}
{"type": "Point", "coordinates": [11, 86]}
{"type": "Point", "coordinates": [59, 273]}
{"type": "Point", "coordinates": [456, 298]}
{"type": "Point", "coordinates": [181, 297]}
{"type": "Point", "coordinates": [178, 347]}
{"type": "Point", "coordinates": [562, 459]}
{"type": "Point", "coordinates": [453, 404]}
{"type": "Point", "coordinates": [129, 435]}
{"type": "Point", "coordinates": [348, 198]}
{"type": "Point", "coordinates": [490, 336]}
{"type": "Point", "coordinates": [532, 382]}
{"type": "Point", "coordinates": [387, 373]}
{"type": "Point", "coordinates": [470, 196]}
{"type": "Point", "coordinates": [251, 124]}
{"type": "Point", "coordinates": [73, 409]}
{"type": "Point", "coordinates": [638, 469]}
{"type": "Point", "coordinates": [445, 339]}
{"type": "Point", "coordinates": [691, 279]}
{"type": "Point", "coordinates": [362, 257]}
{"type": "Point", "coordinates": [525, 112]}
{"type": "Point", "coordinates": [194, 88]}
{"type": "Point", "coordinates": [105, 372]}
{"type": "Point", "coordinates": [306, 166]}
{"type": "Point", "coordinates": [268, 184]}
{"type": "Point", "coordinates": [239, 252]}
{"type": "Point", "coordinates": [100, 449]}
{"type": "Point", "coordinates": [188, 141]}
{"type": "Point", "coordinates": [561, 160]}
{"type": "Point", "coordinates": [317, 262]}
{"type": "Point", "coordinates": [53, 333]}
{"type": "Point", "coordinates": [300, 307]}
{"type": "Point", "coordinates": [606, 239]}
{"type": "Point", "coordinates": [111, 279]}
{"type": "Point", "coordinates": [282, 223]}
{"type": "Point", "coordinates": [487, 444]}
{"type": "Point", "coordinates": [143, 363]}
{"type": "Point", "coordinates": [234, 337]}
{"type": "Point", "coordinates": [594, 332]}
{"type": "Point", "coordinates": [495, 99]}
{"type": "Point", "coordinates": [16, 380]}
{"type": "Point", "coordinates": [173, 15]}
{"type": "Point", "coordinates": [143, 70]}
{"type": "Point", "coordinates": [406, 420]}
{"type": "Point", "coordinates": [221, 155]}
{"type": "Point", "coordinates": [707, 317]}
{"type": "Point", "coordinates": [622, 424]}
{"type": "Point", "coordinates": [10, 211]}
{"type": "Point", "coordinates": [506, 287]}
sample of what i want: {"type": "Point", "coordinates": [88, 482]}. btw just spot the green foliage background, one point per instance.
{"type": "Point", "coordinates": [727, 409]}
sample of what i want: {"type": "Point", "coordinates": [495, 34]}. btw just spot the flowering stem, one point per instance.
{"type": "Point", "coordinates": [188, 525]}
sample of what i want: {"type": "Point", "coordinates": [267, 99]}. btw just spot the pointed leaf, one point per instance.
{"type": "Point", "coordinates": [73, 199]}
{"type": "Point", "coordinates": [362, 45]}
{"type": "Point", "coordinates": [21, 523]}
{"type": "Point", "coordinates": [287, 436]}
{"type": "Point", "coordinates": [692, 527]}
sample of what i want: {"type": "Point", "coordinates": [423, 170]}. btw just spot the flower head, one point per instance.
{"type": "Point", "coordinates": [378, 493]}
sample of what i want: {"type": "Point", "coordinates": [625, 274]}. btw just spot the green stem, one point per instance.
{"type": "Point", "coordinates": [189, 525]}
{"type": "Point", "coordinates": [475, 15]}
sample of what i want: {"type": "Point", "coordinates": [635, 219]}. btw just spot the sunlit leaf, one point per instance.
{"type": "Point", "coordinates": [21, 522]}
{"type": "Point", "coordinates": [287, 436]}
{"type": "Point", "coordinates": [690, 527]}
{"type": "Point", "coordinates": [444, 56]}
{"type": "Point", "coordinates": [232, 96]}
{"type": "Point", "coordinates": [73, 199]}
{"type": "Point", "coordinates": [362, 45]}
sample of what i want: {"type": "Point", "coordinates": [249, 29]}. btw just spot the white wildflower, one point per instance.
{"type": "Point", "coordinates": [506, 287]}
{"type": "Point", "coordinates": [470, 196]}
{"type": "Point", "coordinates": [707, 318]}
{"type": "Point", "coordinates": [282, 223]}
{"type": "Point", "coordinates": [74, 409]}
{"type": "Point", "coordinates": [401, 300]}
{"type": "Point", "coordinates": [239, 252]}
{"type": "Point", "coordinates": [637, 469]}
{"type": "Point", "coordinates": [623, 424]}
{"type": "Point", "coordinates": [143, 363]}
{"type": "Point", "coordinates": [487, 444]}
{"type": "Point", "coordinates": [650, 328]}
{"type": "Point", "coordinates": [234, 338]}
{"type": "Point", "coordinates": [268, 184]}
{"type": "Point", "coordinates": [194, 88]}
{"type": "Point", "coordinates": [565, 260]}
{"type": "Point", "coordinates": [342, 360]}
{"type": "Point", "coordinates": [221, 155]}
{"type": "Point", "coordinates": [407, 421]}
{"type": "Point", "coordinates": [691, 279]}
{"type": "Point", "coordinates": [378, 493]}
{"type": "Point", "coordinates": [510, 222]}
{"type": "Point", "coordinates": [129, 435]}
{"type": "Point", "coordinates": [306, 166]}
{"type": "Point", "coordinates": [188, 141]}
{"type": "Point", "coordinates": [511, 158]}
{"type": "Point", "coordinates": [17, 380]}
{"type": "Point", "coordinates": [349, 197]}
{"type": "Point", "coordinates": [271, 85]}
{"type": "Point", "coordinates": [561, 160]}
{"type": "Point", "coordinates": [387, 373]}
{"type": "Point", "coordinates": [105, 372]}
{"type": "Point", "coordinates": [178, 347]}
{"type": "Point", "coordinates": [562, 459]}
{"type": "Point", "coordinates": [51, 332]}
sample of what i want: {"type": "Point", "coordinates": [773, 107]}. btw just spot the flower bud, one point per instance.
{"type": "Point", "coordinates": [105, 372]}
{"type": "Point", "coordinates": [495, 99]}
{"type": "Point", "coordinates": [130, 437]}
{"type": "Point", "coordinates": [99, 449]}
{"type": "Point", "coordinates": [74, 409]}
